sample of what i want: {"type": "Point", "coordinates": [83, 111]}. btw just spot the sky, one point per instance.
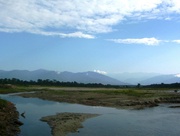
{"type": "Point", "coordinates": [107, 36]}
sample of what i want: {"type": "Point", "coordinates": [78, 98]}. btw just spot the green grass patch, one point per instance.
{"type": "Point", "coordinates": [138, 93]}
{"type": "Point", "coordinates": [128, 92]}
{"type": "Point", "coordinates": [3, 103]}
{"type": "Point", "coordinates": [11, 90]}
{"type": "Point", "coordinates": [16, 89]}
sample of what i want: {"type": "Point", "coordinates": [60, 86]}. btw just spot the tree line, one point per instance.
{"type": "Point", "coordinates": [48, 82]}
{"type": "Point", "coordinates": [162, 85]}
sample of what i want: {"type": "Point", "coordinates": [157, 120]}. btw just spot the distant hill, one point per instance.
{"type": "Point", "coordinates": [93, 77]}
{"type": "Point", "coordinates": [166, 79]}
{"type": "Point", "coordinates": [80, 77]}
{"type": "Point", "coordinates": [133, 78]}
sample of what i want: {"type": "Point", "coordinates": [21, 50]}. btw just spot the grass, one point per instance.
{"type": "Point", "coordinates": [16, 89]}
{"type": "Point", "coordinates": [111, 97]}
{"type": "Point", "coordinates": [3, 103]}
{"type": "Point", "coordinates": [75, 91]}
{"type": "Point", "coordinates": [128, 92]}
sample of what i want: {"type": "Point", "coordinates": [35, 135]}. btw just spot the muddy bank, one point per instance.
{"type": "Point", "coordinates": [64, 123]}
{"type": "Point", "coordinates": [9, 124]}
{"type": "Point", "coordinates": [145, 103]}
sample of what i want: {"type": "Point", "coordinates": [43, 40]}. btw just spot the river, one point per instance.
{"type": "Point", "coordinates": [155, 121]}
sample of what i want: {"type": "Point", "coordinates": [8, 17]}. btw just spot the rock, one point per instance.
{"type": "Point", "coordinates": [18, 123]}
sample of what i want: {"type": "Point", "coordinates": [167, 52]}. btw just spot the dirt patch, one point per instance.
{"type": "Point", "coordinates": [63, 123]}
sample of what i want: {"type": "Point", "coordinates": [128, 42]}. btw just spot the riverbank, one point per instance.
{"type": "Point", "coordinates": [118, 98]}
{"type": "Point", "coordinates": [64, 123]}
{"type": "Point", "coordinates": [9, 124]}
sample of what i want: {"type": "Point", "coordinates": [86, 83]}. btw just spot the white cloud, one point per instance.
{"type": "Point", "coordinates": [177, 75]}
{"type": "Point", "coordinates": [174, 6]}
{"type": "Point", "coordinates": [176, 41]}
{"type": "Point", "coordinates": [78, 34]}
{"type": "Point", "coordinates": [100, 72]}
{"type": "Point", "coordinates": [147, 41]}
{"type": "Point", "coordinates": [63, 35]}
{"type": "Point", "coordinates": [82, 18]}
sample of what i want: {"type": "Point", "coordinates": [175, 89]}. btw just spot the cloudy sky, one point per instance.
{"type": "Point", "coordinates": [112, 36]}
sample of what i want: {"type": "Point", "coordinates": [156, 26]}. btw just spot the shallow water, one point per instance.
{"type": "Point", "coordinates": [155, 121]}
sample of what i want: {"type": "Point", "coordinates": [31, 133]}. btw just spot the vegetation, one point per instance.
{"type": "Point", "coordinates": [48, 82]}
{"type": "Point", "coordinates": [9, 124]}
{"type": "Point", "coordinates": [7, 83]}
{"type": "Point", "coordinates": [162, 85]}
{"type": "Point", "coordinates": [3, 103]}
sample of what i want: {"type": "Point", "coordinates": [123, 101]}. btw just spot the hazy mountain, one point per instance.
{"type": "Point", "coordinates": [81, 77]}
{"type": "Point", "coordinates": [167, 79]}
{"type": "Point", "coordinates": [133, 78]}
{"type": "Point", "coordinates": [28, 75]}
{"type": "Point", "coordinates": [92, 77]}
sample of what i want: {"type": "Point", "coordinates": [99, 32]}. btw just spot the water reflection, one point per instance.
{"type": "Point", "coordinates": [151, 122]}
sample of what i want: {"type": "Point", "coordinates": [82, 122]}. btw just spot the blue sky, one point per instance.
{"type": "Point", "coordinates": [108, 36]}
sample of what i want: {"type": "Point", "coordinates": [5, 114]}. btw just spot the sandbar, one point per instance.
{"type": "Point", "coordinates": [64, 123]}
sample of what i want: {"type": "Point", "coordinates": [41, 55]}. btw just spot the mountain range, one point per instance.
{"type": "Point", "coordinates": [80, 77]}
{"type": "Point", "coordinates": [166, 79]}
{"type": "Point", "coordinates": [93, 77]}
{"type": "Point", "coordinates": [147, 78]}
{"type": "Point", "coordinates": [133, 78]}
